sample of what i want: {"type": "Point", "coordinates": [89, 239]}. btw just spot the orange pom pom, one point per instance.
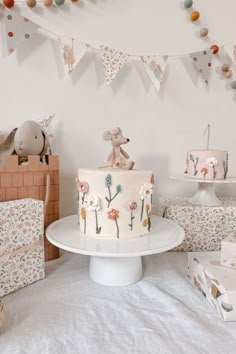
{"type": "Point", "coordinates": [195, 16]}
{"type": "Point", "coordinates": [9, 3]}
{"type": "Point", "coordinates": [215, 48]}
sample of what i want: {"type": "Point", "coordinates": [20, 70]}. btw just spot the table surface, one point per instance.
{"type": "Point", "coordinates": [165, 235]}
{"type": "Point", "coordinates": [68, 313]}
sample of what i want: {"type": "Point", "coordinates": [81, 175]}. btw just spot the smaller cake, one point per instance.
{"type": "Point", "coordinates": [207, 164]}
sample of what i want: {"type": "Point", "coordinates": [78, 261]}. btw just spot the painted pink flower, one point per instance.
{"type": "Point", "coordinates": [132, 205]}
{"type": "Point", "coordinates": [82, 186]}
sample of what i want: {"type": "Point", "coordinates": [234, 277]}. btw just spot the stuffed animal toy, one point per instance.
{"type": "Point", "coordinates": [118, 157]}
{"type": "Point", "coordinates": [29, 138]}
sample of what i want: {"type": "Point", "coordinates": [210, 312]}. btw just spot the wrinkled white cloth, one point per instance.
{"type": "Point", "coordinates": [68, 313]}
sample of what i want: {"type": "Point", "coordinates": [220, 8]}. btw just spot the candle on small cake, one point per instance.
{"type": "Point", "coordinates": [207, 164]}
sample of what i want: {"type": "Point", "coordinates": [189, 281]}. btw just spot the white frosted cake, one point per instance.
{"type": "Point", "coordinates": [207, 164]}
{"type": "Point", "coordinates": [115, 203]}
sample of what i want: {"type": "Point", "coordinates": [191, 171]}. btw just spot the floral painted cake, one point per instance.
{"type": "Point", "coordinates": [207, 164]}
{"type": "Point", "coordinates": [115, 203]}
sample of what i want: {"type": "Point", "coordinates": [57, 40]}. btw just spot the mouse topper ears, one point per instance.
{"type": "Point", "coordinates": [107, 135]}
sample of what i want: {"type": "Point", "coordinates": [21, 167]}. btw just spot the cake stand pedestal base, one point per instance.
{"type": "Point", "coordinates": [205, 195]}
{"type": "Point", "coordinates": [115, 271]}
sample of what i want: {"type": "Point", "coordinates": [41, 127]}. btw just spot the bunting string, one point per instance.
{"type": "Point", "coordinates": [72, 50]}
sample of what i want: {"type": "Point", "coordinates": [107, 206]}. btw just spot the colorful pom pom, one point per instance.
{"type": "Point", "coordinates": [215, 48]}
{"type": "Point", "coordinates": [9, 3]}
{"type": "Point", "coordinates": [187, 4]}
{"type": "Point", "coordinates": [47, 3]}
{"type": "Point", "coordinates": [225, 68]}
{"type": "Point", "coordinates": [31, 3]}
{"type": "Point", "coordinates": [233, 85]}
{"type": "Point", "coordinates": [195, 16]}
{"type": "Point", "coordinates": [228, 74]}
{"type": "Point", "coordinates": [203, 32]}
{"type": "Point", "coordinates": [59, 2]}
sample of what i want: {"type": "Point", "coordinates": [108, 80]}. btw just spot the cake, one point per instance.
{"type": "Point", "coordinates": [115, 203]}
{"type": "Point", "coordinates": [207, 164]}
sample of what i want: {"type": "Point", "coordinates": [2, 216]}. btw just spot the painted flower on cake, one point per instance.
{"type": "Point", "coordinates": [93, 204]}
{"type": "Point", "coordinates": [195, 163]}
{"type": "Point", "coordinates": [204, 171]}
{"type": "Point", "coordinates": [83, 187]}
{"type": "Point", "coordinates": [225, 165]}
{"type": "Point", "coordinates": [83, 216]}
{"type": "Point", "coordinates": [148, 212]}
{"type": "Point", "coordinates": [113, 214]}
{"type": "Point", "coordinates": [108, 183]}
{"type": "Point", "coordinates": [145, 193]}
{"type": "Point", "coordinates": [212, 162]}
{"type": "Point", "coordinates": [108, 180]}
{"type": "Point", "coordinates": [132, 207]}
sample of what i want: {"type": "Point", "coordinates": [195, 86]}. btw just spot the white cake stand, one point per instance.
{"type": "Point", "coordinates": [205, 194]}
{"type": "Point", "coordinates": [115, 262]}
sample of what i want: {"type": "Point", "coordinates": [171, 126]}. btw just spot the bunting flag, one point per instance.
{"type": "Point", "coordinates": [113, 61]}
{"type": "Point", "coordinates": [155, 67]}
{"type": "Point", "coordinates": [231, 51]}
{"type": "Point", "coordinates": [72, 51]}
{"type": "Point", "coordinates": [202, 62]}
{"type": "Point", "coordinates": [18, 29]}
{"type": "Point", "coordinates": [45, 122]}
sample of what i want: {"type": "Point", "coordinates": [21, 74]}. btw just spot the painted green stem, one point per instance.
{"type": "Point", "coordinates": [117, 226]}
{"type": "Point", "coordinates": [141, 217]}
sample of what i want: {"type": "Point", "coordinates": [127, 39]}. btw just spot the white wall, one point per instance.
{"type": "Point", "coordinates": [161, 127]}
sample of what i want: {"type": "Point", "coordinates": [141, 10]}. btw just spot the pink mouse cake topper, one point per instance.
{"type": "Point", "coordinates": [118, 157]}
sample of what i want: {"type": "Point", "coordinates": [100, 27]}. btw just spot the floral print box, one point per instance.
{"type": "Point", "coordinates": [216, 283]}
{"type": "Point", "coordinates": [228, 251]}
{"type": "Point", "coordinates": [205, 226]}
{"type": "Point", "coordinates": [21, 244]}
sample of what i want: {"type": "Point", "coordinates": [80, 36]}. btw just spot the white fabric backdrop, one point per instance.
{"type": "Point", "coordinates": [68, 313]}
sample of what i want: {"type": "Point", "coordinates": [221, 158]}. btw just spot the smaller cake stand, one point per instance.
{"type": "Point", "coordinates": [115, 262]}
{"type": "Point", "coordinates": [205, 194]}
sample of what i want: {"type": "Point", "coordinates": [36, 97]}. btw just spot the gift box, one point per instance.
{"type": "Point", "coordinates": [36, 180]}
{"type": "Point", "coordinates": [216, 283]}
{"type": "Point", "coordinates": [21, 244]}
{"type": "Point", "coordinates": [205, 226]}
{"type": "Point", "coordinates": [228, 251]}
{"type": "Point", "coordinates": [1, 313]}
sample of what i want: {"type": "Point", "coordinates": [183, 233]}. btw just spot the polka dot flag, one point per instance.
{"type": "Point", "coordinates": [202, 62]}
{"type": "Point", "coordinates": [18, 29]}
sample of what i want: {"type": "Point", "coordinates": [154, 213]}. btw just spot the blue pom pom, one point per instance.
{"type": "Point", "coordinates": [59, 2]}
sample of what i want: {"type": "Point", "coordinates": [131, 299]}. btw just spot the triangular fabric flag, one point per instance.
{"type": "Point", "coordinates": [18, 29]}
{"type": "Point", "coordinates": [231, 51]}
{"type": "Point", "coordinates": [45, 122]}
{"type": "Point", "coordinates": [72, 51]}
{"type": "Point", "coordinates": [113, 60]}
{"type": "Point", "coordinates": [202, 62]}
{"type": "Point", "coordinates": [155, 67]}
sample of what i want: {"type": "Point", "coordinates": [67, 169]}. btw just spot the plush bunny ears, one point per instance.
{"type": "Point", "coordinates": [7, 144]}
{"type": "Point", "coordinates": [107, 135]}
